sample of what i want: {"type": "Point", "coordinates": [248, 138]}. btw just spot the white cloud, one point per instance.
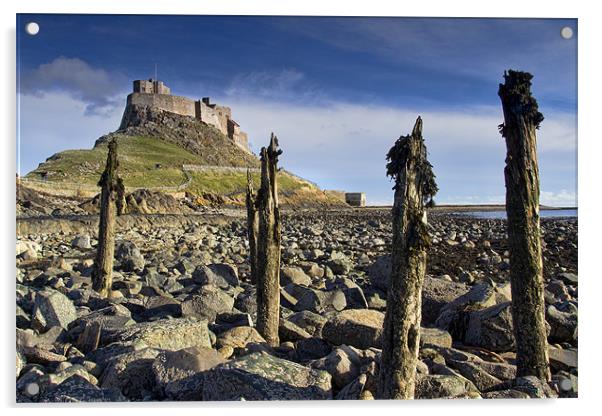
{"type": "Point", "coordinates": [95, 87]}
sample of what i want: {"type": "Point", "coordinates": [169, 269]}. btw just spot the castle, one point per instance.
{"type": "Point", "coordinates": [154, 93]}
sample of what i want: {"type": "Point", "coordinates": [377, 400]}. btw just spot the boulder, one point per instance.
{"type": "Point", "coordinates": [210, 302]}
{"type": "Point", "coordinates": [160, 307]}
{"type": "Point", "coordinates": [260, 376]}
{"type": "Point", "coordinates": [452, 316]}
{"type": "Point", "coordinates": [562, 359]}
{"type": "Point", "coordinates": [111, 320]}
{"type": "Point", "coordinates": [131, 374]}
{"type": "Point", "coordinates": [77, 389]}
{"type": "Point", "coordinates": [534, 387]}
{"type": "Point", "coordinates": [563, 325]}
{"type": "Point", "coordinates": [81, 242]}
{"type": "Point", "coordinates": [309, 321]}
{"type": "Point", "coordinates": [473, 372]}
{"type": "Point", "coordinates": [294, 275]}
{"type": "Point", "coordinates": [167, 334]}
{"type": "Point", "coordinates": [288, 331]}
{"type": "Point", "coordinates": [129, 256]}
{"type": "Point", "coordinates": [178, 374]}
{"type": "Point", "coordinates": [436, 293]}
{"type": "Point", "coordinates": [343, 364]}
{"type": "Point", "coordinates": [301, 298]}
{"type": "Point", "coordinates": [435, 386]}
{"type": "Point", "coordinates": [491, 328]}
{"type": "Point", "coordinates": [239, 337]}
{"type": "Point", "coordinates": [48, 382]}
{"type": "Point", "coordinates": [311, 349]}
{"type": "Point", "coordinates": [52, 308]}
{"type": "Point", "coordinates": [220, 275]}
{"type": "Point", "coordinates": [361, 328]}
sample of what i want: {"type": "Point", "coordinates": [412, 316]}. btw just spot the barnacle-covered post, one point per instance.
{"type": "Point", "coordinates": [414, 187]}
{"type": "Point", "coordinates": [252, 226]}
{"type": "Point", "coordinates": [521, 119]}
{"type": "Point", "coordinates": [111, 204]}
{"type": "Point", "coordinates": [268, 246]}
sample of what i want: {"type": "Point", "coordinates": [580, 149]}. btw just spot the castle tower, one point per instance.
{"type": "Point", "coordinates": [151, 86]}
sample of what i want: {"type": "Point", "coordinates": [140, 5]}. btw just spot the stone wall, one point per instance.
{"type": "Point", "coordinates": [172, 103]}
{"type": "Point", "coordinates": [208, 115]}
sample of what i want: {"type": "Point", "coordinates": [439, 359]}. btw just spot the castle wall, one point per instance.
{"type": "Point", "coordinates": [208, 115]}
{"type": "Point", "coordinates": [172, 103]}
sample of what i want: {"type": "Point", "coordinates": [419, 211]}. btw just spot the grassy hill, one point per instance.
{"type": "Point", "coordinates": [167, 152]}
{"type": "Point", "coordinates": [153, 163]}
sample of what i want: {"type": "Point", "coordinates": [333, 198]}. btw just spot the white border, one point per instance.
{"type": "Point", "coordinates": [589, 33]}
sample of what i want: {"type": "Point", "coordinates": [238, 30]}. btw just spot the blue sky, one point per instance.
{"type": "Point", "coordinates": [338, 92]}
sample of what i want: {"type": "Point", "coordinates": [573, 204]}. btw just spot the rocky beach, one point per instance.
{"type": "Point", "coordinates": [179, 323]}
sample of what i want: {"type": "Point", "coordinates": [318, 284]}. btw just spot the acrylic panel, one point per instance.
{"type": "Point", "coordinates": [226, 208]}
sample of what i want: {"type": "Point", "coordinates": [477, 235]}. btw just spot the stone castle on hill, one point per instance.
{"type": "Point", "coordinates": [154, 93]}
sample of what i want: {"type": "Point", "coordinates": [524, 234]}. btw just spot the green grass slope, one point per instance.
{"type": "Point", "coordinates": [154, 163]}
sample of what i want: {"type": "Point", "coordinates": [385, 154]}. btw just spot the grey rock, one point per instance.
{"type": "Point", "coordinates": [309, 321]}
{"type": "Point", "coordinates": [353, 390]}
{"type": "Point", "coordinates": [77, 389]}
{"type": "Point", "coordinates": [535, 388]}
{"type": "Point", "coordinates": [260, 376]}
{"type": "Point", "coordinates": [81, 242]}
{"type": "Point", "coordinates": [288, 331]}
{"type": "Point", "coordinates": [167, 334]}
{"type": "Point", "coordinates": [131, 374]}
{"type": "Point", "coordinates": [563, 325]}
{"type": "Point", "coordinates": [443, 386]}
{"type": "Point", "coordinates": [210, 302]}
{"type": "Point", "coordinates": [220, 275]}
{"type": "Point", "coordinates": [240, 337]}
{"type": "Point", "coordinates": [178, 374]}
{"type": "Point", "coordinates": [311, 349]}
{"type": "Point", "coordinates": [473, 372]}
{"type": "Point", "coordinates": [128, 254]}
{"type": "Point", "coordinates": [562, 359]}
{"type": "Point", "coordinates": [361, 328]}
{"type": "Point", "coordinates": [491, 328]}
{"type": "Point", "coordinates": [343, 364]}
{"type": "Point", "coordinates": [294, 275]}
{"type": "Point", "coordinates": [52, 308]}
{"type": "Point", "coordinates": [319, 301]}
{"type": "Point", "coordinates": [111, 320]}
{"type": "Point", "coordinates": [505, 394]}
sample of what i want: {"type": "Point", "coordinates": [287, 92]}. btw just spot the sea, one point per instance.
{"type": "Point", "coordinates": [546, 213]}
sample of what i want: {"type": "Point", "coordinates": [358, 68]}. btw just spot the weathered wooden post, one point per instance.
{"type": "Point", "coordinates": [521, 119]}
{"type": "Point", "coordinates": [111, 204]}
{"type": "Point", "coordinates": [414, 186]}
{"type": "Point", "coordinates": [252, 226]}
{"type": "Point", "coordinates": [268, 246]}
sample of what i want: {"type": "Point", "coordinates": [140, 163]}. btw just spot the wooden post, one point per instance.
{"type": "Point", "coordinates": [414, 186]}
{"type": "Point", "coordinates": [521, 119]}
{"type": "Point", "coordinates": [252, 226]}
{"type": "Point", "coordinates": [111, 204]}
{"type": "Point", "coordinates": [268, 246]}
